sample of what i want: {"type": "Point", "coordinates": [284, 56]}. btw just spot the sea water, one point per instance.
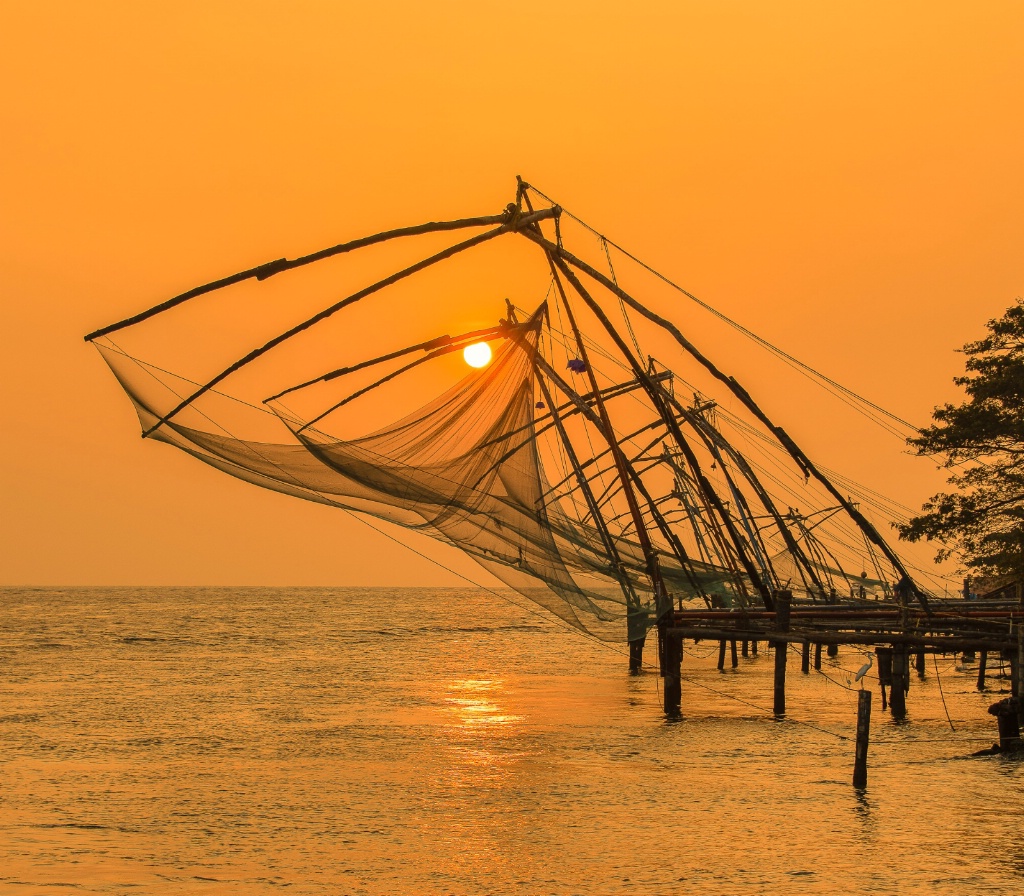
{"type": "Point", "coordinates": [436, 741]}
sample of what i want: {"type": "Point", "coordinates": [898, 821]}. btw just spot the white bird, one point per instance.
{"type": "Point", "coordinates": [863, 670]}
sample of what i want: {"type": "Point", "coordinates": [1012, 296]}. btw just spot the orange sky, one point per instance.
{"type": "Point", "coordinates": [846, 180]}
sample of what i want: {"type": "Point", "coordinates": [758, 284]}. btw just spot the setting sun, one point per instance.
{"type": "Point", "coordinates": [477, 355]}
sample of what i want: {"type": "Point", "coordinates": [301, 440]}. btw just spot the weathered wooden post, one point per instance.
{"type": "Point", "coordinates": [673, 673]}
{"type": "Point", "coordinates": [817, 656]}
{"type": "Point", "coordinates": [721, 655]}
{"type": "Point", "coordinates": [782, 607]}
{"type": "Point", "coordinates": [746, 649]}
{"type": "Point", "coordinates": [884, 655]}
{"type": "Point", "coordinates": [1018, 677]}
{"type": "Point", "coordinates": [753, 648]}
{"type": "Point", "coordinates": [919, 662]}
{"type": "Point", "coordinates": [832, 650]}
{"type": "Point", "coordinates": [982, 668]}
{"type": "Point", "coordinates": [1005, 712]}
{"type": "Point", "coordinates": [735, 659]}
{"type": "Point", "coordinates": [805, 658]}
{"type": "Point", "coordinates": [1015, 662]}
{"type": "Point", "coordinates": [860, 764]}
{"type": "Point", "coordinates": [636, 656]}
{"type": "Point", "coordinates": [898, 693]}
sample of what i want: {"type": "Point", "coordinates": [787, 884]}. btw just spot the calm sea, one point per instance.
{"type": "Point", "coordinates": [250, 741]}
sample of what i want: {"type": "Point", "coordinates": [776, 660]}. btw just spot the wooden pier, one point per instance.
{"type": "Point", "coordinates": [898, 634]}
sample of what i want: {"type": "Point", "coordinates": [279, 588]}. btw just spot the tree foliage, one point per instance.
{"type": "Point", "coordinates": [982, 442]}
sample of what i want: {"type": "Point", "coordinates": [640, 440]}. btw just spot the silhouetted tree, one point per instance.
{"type": "Point", "coordinates": [982, 441]}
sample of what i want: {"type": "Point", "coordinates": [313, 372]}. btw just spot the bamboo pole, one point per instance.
{"type": "Point", "coordinates": [348, 300]}
{"type": "Point", "coordinates": [269, 269]}
{"type": "Point", "coordinates": [673, 426]}
{"type": "Point", "coordinates": [801, 459]}
{"type": "Point", "coordinates": [618, 456]}
{"type": "Point", "coordinates": [429, 345]}
{"type": "Point", "coordinates": [712, 437]}
{"type": "Point", "coordinates": [609, 544]}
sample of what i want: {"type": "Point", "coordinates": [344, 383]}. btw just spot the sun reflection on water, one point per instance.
{"type": "Point", "coordinates": [475, 702]}
{"type": "Point", "coordinates": [482, 736]}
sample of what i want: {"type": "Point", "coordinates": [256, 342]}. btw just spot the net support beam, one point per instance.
{"type": "Point", "coordinates": [269, 269]}
{"type": "Point", "coordinates": [510, 224]}
{"type": "Point", "coordinates": [797, 453]}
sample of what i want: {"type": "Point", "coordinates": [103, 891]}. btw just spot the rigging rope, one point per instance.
{"type": "Point", "coordinates": [764, 343]}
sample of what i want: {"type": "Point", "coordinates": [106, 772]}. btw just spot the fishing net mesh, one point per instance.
{"type": "Point", "coordinates": [464, 469]}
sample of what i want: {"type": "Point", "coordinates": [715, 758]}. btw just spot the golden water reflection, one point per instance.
{"type": "Point", "coordinates": [482, 736]}
{"type": "Point", "coordinates": [476, 703]}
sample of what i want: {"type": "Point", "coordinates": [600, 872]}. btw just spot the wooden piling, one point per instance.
{"type": "Point", "coordinates": [860, 764]}
{"type": "Point", "coordinates": [1015, 663]}
{"type": "Point", "coordinates": [817, 656]}
{"type": "Point", "coordinates": [805, 658]}
{"type": "Point", "coordinates": [721, 655]}
{"type": "Point", "coordinates": [1019, 671]}
{"type": "Point", "coordinates": [636, 656]}
{"type": "Point", "coordinates": [982, 668]}
{"type": "Point", "coordinates": [919, 663]}
{"type": "Point", "coordinates": [735, 659]}
{"type": "Point", "coordinates": [673, 688]}
{"type": "Point", "coordinates": [1005, 712]}
{"type": "Point", "coordinates": [753, 648]}
{"type": "Point", "coordinates": [884, 656]}
{"type": "Point", "coordinates": [832, 650]}
{"type": "Point", "coordinates": [898, 694]}
{"type": "Point", "coordinates": [782, 609]}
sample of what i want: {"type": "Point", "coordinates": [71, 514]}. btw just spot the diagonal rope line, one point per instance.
{"type": "Point", "coordinates": [805, 368]}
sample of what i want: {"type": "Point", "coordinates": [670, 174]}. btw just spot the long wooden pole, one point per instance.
{"type": "Point", "coordinates": [759, 489]}
{"type": "Point", "coordinates": [609, 545]}
{"type": "Point", "coordinates": [662, 604]}
{"type": "Point", "coordinates": [263, 271]}
{"type": "Point", "coordinates": [430, 344]}
{"type": "Point", "coordinates": [507, 227]}
{"type": "Point", "coordinates": [670, 420]}
{"type": "Point", "coordinates": [804, 462]}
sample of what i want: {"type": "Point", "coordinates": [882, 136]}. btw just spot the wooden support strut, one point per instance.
{"type": "Point", "coordinates": [782, 606]}
{"type": "Point", "coordinates": [269, 269]}
{"type": "Point", "coordinates": [621, 465]}
{"type": "Point", "coordinates": [510, 224]}
{"type": "Point", "coordinates": [943, 643]}
{"type": "Point", "coordinates": [784, 438]}
{"type": "Point", "coordinates": [599, 523]}
{"type": "Point", "coordinates": [710, 434]}
{"type": "Point", "coordinates": [1017, 671]}
{"type": "Point", "coordinates": [655, 395]}
{"type": "Point", "coordinates": [579, 402]}
{"type": "Point", "coordinates": [898, 693]}
{"type": "Point", "coordinates": [673, 674]}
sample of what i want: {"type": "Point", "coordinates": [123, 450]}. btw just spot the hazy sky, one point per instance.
{"type": "Point", "coordinates": [844, 179]}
